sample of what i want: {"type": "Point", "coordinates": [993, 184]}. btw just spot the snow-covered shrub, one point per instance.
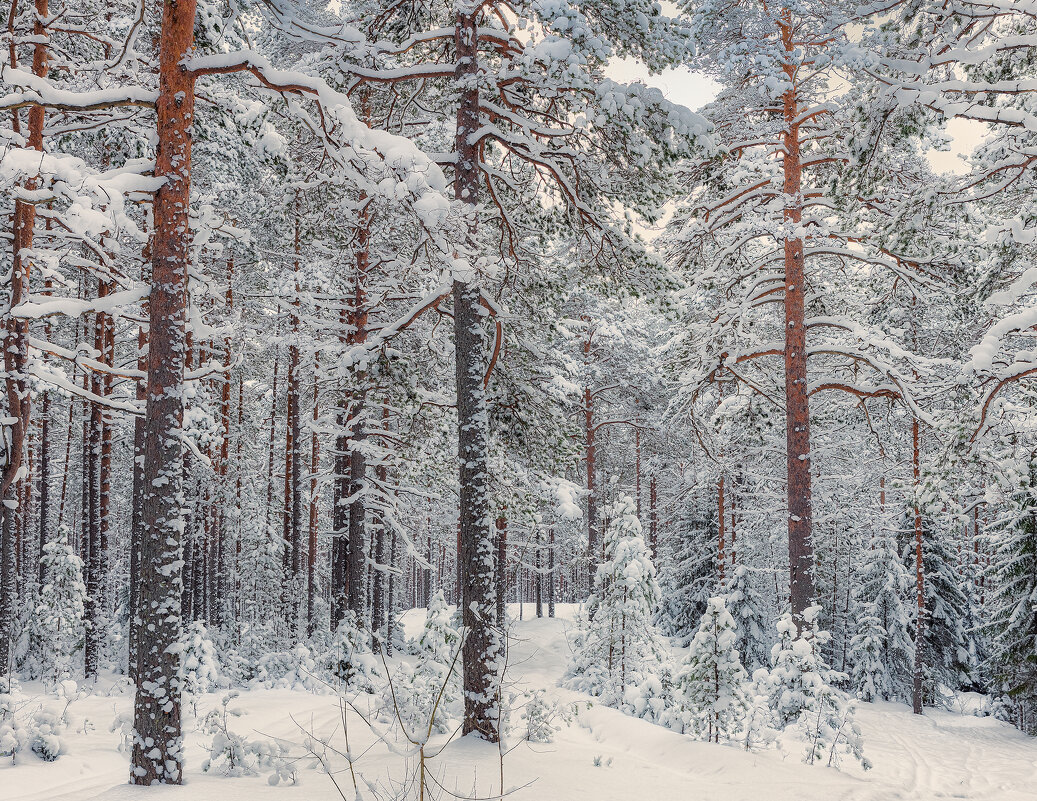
{"type": "Point", "coordinates": [123, 724]}
{"type": "Point", "coordinates": [199, 666]}
{"type": "Point", "coordinates": [803, 696]}
{"type": "Point", "coordinates": [544, 717]}
{"type": "Point", "coordinates": [231, 754]}
{"type": "Point", "coordinates": [711, 685]}
{"type": "Point", "coordinates": [294, 669]}
{"type": "Point", "coordinates": [758, 726]}
{"type": "Point", "coordinates": [620, 648]}
{"type": "Point", "coordinates": [349, 659]}
{"type": "Point", "coordinates": [433, 683]}
{"type": "Point", "coordinates": [30, 729]}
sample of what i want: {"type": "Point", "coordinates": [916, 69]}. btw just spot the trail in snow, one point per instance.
{"type": "Point", "coordinates": [603, 756]}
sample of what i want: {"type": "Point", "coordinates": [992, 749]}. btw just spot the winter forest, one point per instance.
{"type": "Point", "coordinates": [556, 399]}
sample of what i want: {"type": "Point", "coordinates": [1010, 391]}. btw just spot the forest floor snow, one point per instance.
{"type": "Point", "coordinates": [602, 755]}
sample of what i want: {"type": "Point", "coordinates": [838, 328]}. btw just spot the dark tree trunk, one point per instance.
{"type": "Point", "coordinates": [339, 501]}
{"type": "Point", "coordinates": [390, 601]}
{"type": "Point", "coordinates": [158, 742]}
{"type": "Point", "coordinates": [44, 490]}
{"type": "Point", "coordinates": [311, 544]}
{"type": "Point", "coordinates": [589, 457]}
{"type": "Point", "coordinates": [721, 517]}
{"type": "Point", "coordinates": [357, 544]}
{"type": "Point", "coordinates": [551, 574]}
{"type": "Point", "coordinates": [93, 563]}
{"type": "Point", "coordinates": [919, 666]}
{"type": "Point", "coordinates": [481, 650]}
{"type": "Point", "coordinates": [502, 570]}
{"type": "Point", "coordinates": [538, 586]}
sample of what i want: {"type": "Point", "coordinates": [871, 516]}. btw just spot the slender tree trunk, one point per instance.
{"type": "Point", "coordinates": [224, 601]}
{"type": "Point", "coordinates": [721, 516]}
{"type": "Point", "coordinates": [16, 385]}
{"type": "Point", "coordinates": [637, 472]}
{"type": "Point", "coordinates": [158, 741]}
{"type": "Point", "coordinates": [919, 667]}
{"type": "Point", "coordinates": [502, 569]}
{"type": "Point", "coordinates": [311, 549]}
{"type": "Point", "coordinates": [340, 498]}
{"type": "Point", "coordinates": [589, 457]}
{"type": "Point", "coordinates": [357, 542]}
{"type": "Point", "coordinates": [551, 581]}
{"type": "Point", "coordinates": [381, 546]}
{"type": "Point", "coordinates": [653, 515]}
{"type": "Point", "coordinates": [797, 405]}
{"type": "Point", "coordinates": [272, 445]}
{"type": "Point", "coordinates": [93, 563]}
{"type": "Point", "coordinates": [538, 579]}
{"type": "Point", "coordinates": [390, 602]}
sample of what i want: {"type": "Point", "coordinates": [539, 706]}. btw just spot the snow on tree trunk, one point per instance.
{"type": "Point", "coordinates": [158, 742]}
{"type": "Point", "coordinates": [481, 650]}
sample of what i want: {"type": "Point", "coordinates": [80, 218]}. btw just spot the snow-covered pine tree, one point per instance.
{"type": "Point", "coordinates": [59, 617]}
{"type": "Point", "coordinates": [199, 670]}
{"type": "Point", "coordinates": [711, 686]}
{"type": "Point", "coordinates": [621, 654]}
{"type": "Point", "coordinates": [1013, 601]}
{"type": "Point", "coordinates": [350, 658]}
{"type": "Point", "coordinates": [743, 601]}
{"type": "Point", "coordinates": [881, 650]}
{"type": "Point", "coordinates": [687, 573]}
{"type": "Point", "coordinates": [433, 683]}
{"type": "Point", "coordinates": [945, 650]}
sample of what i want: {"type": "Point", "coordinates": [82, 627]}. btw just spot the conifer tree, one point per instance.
{"type": "Point", "coordinates": [881, 651]}
{"type": "Point", "coordinates": [711, 686]}
{"type": "Point", "coordinates": [59, 618]}
{"type": "Point", "coordinates": [621, 649]}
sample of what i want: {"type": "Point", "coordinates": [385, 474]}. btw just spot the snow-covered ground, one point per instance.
{"type": "Point", "coordinates": [602, 756]}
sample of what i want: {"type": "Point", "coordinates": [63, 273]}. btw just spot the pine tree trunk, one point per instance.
{"type": "Point", "coordinates": [481, 647]}
{"type": "Point", "coordinates": [339, 501]}
{"type": "Point", "coordinates": [311, 545]}
{"type": "Point", "coordinates": [224, 599]}
{"type": "Point", "coordinates": [16, 385]}
{"type": "Point", "coordinates": [272, 444]}
{"type": "Point", "coordinates": [589, 456]}
{"type": "Point", "coordinates": [653, 516]}
{"type": "Point", "coordinates": [357, 542]}
{"type": "Point", "coordinates": [551, 574]}
{"type": "Point", "coordinates": [158, 742]}
{"type": "Point", "coordinates": [797, 405]}
{"type": "Point", "coordinates": [92, 517]}
{"type": "Point", "coordinates": [919, 667]}
{"type": "Point", "coordinates": [390, 601]}
{"type": "Point", "coordinates": [502, 569]}
{"type": "Point", "coordinates": [381, 547]}
{"type": "Point", "coordinates": [538, 586]}
{"type": "Point", "coordinates": [721, 517]}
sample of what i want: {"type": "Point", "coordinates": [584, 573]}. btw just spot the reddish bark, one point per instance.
{"type": "Point", "coordinates": [797, 405]}
{"type": "Point", "coordinates": [16, 385]}
{"type": "Point", "coordinates": [158, 743]}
